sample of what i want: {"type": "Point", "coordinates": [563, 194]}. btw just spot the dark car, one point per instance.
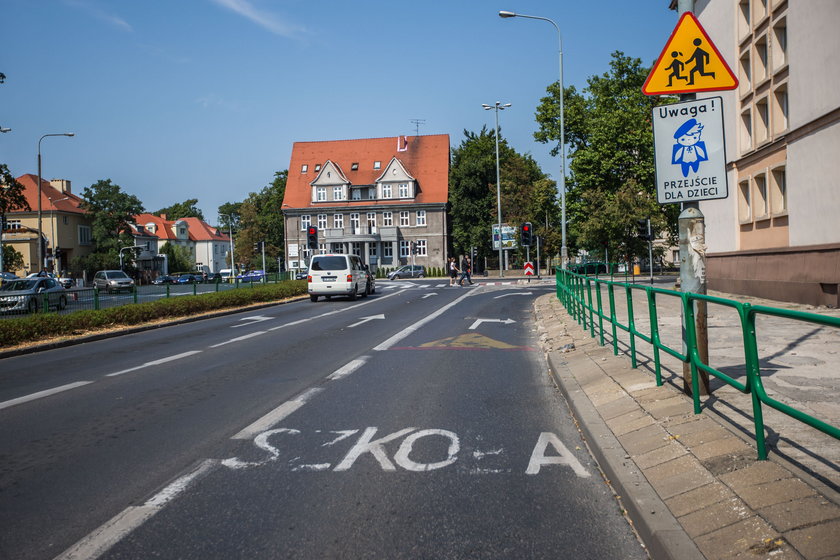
{"type": "Point", "coordinates": [301, 274]}
{"type": "Point", "coordinates": [589, 268]}
{"type": "Point", "coordinates": [214, 277]}
{"type": "Point", "coordinates": [188, 279]}
{"type": "Point", "coordinates": [408, 271]}
{"type": "Point", "coordinates": [164, 279]}
{"type": "Point", "coordinates": [7, 277]}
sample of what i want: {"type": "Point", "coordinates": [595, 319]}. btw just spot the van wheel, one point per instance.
{"type": "Point", "coordinates": [365, 292]}
{"type": "Point", "coordinates": [353, 294]}
{"type": "Point", "coordinates": [313, 298]}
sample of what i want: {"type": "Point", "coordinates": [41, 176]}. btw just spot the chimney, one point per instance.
{"type": "Point", "coordinates": [162, 217]}
{"type": "Point", "coordinates": [62, 185]}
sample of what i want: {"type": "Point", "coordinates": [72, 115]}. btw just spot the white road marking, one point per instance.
{"type": "Point", "coordinates": [565, 457]}
{"type": "Point", "coordinates": [348, 368]}
{"type": "Point", "coordinates": [478, 322]}
{"type": "Point", "coordinates": [410, 329]}
{"type": "Point", "coordinates": [239, 338]}
{"type": "Point", "coordinates": [252, 320]}
{"type": "Point", "coordinates": [429, 295]}
{"type": "Point", "coordinates": [365, 320]}
{"type": "Point", "coordinates": [276, 415]}
{"type": "Point", "coordinates": [155, 362]}
{"type": "Point", "coordinates": [42, 394]}
{"type": "Point", "coordinates": [333, 312]}
{"type": "Point", "coordinates": [515, 294]}
{"type": "Point", "coordinates": [112, 531]}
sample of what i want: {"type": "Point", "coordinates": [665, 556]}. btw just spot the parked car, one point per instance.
{"type": "Point", "coordinates": [66, 282]}
{"type": "Point", "coordinates": [408, 271]}
{"type": "Point", "coordinates": [7, 277]}
{"type": "Point", "coordinates": [301, 274]}
{"type": "Point", "coordinates": [188, 279]}
{"type": "Point", "coordinates": [593, 267]}
{"type": "Point", "coordinates": [113, 281]}
{"type": "Point", "coordinates": [336, 275]}
{"type": "Point", "coordinates": [252, 276]}
{"type": "Point", "coordinates": [164, 279]}
{"type": "Point", "coordinates": [27, 295]}
{"type": "Point", "coordinates": [214, 277]}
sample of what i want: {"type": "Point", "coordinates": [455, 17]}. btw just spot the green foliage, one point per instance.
{"type": "Point", "coordinates": [36, 327]}
{"type": "Point", "coordinates": [610, 139]}
{"type": "Point", "coordinates": [186, 209]}
{"type": "Point", "coordinates": [12, 260]}
{"type": "Point", "coordinates": [11, 193]}
{"type": "Point", "coordinates": [260, 219]}
{"type": "Point", "coordinates": [177, 256]}
{"type": "Point", "coordinates": [110, 210]}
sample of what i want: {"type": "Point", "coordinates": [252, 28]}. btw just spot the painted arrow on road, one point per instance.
{"type": "Point", "coordinates": [515, 294]}
{"type": "Point", "coordinates": [365, 320]}
{"type": "Point", "coordinates": [429, 295]}
{"type": "Point", "coordinates": [252, 320]}
{"type": "Point", "coordinates": [479, 321]}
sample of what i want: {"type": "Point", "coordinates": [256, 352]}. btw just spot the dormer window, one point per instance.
{"type": "Point", "coordinates": [354, 166]}
{"type": "Point", "coordinates": [317, 167]}
{"type": "Point", "coordinates": [377, 164]}
{"type": "Point", "coordinates": [304, 168]}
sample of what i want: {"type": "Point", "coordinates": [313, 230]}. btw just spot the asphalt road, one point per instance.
{"type": "Point", "coordinates": [415, 423]}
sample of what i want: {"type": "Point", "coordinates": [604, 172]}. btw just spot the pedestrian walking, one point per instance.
{"type": "Point", "coordinates": [466, 267]}
{"type": "Point", "coordinates": [453, 271]}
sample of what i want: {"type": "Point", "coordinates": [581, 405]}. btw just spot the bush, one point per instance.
{"type": "Point", "coordinates": [36, 327]}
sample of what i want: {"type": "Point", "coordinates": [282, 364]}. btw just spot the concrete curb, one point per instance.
{"type": "Point", "coordinates": [659, 529]}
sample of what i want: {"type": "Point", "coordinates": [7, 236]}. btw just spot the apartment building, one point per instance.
{"type": "Point", "coordinates": [775, 235]}
{"type": "Point", "coordinates": [383, 199]}
{"type": "Point", "coordinates": [208, 246]}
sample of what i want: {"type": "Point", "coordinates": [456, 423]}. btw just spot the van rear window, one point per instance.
{"type": "Point", "coordinates": [329, 263]}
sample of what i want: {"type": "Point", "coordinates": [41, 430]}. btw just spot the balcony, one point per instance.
{"type": "Point", "coordinates": [360, 234]}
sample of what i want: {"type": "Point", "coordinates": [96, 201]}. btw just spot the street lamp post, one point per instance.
{"type": "Point", "coordinates": [41, 256]}
{"type": "Point", "coordinates": [564, 252]}
{"type": "Point", "coordinates": [232, 261]}
{"type": "Point", "coordinates": [498, 107]}
{"type": "Point", "coordinates": [52, 228]}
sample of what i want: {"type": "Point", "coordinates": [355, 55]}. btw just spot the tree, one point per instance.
{"type": "Point", "coordinates": [111, 211]}
{"type": "Point", "coordinates": [610, 139]}
{"type": "Point", "coordinates": [186, 209]}
{"type": "Point", "coordinates": [179, 258]}
{"type": "Point", "coordinates": [11, 199]}
{"type": "Point", "coordinates": [12, 259]}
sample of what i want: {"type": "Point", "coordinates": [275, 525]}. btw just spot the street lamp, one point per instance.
{"type": "Point", "coordinates": [498, 107]}
{"type": "Point", "coordinates": [41, 257]}
{"type": "Point", "coordinates": [52, 227]}
{"type": "Point", "coordinates": [564, 252]}
{"type": "Point", "coordinates": [232, 262]}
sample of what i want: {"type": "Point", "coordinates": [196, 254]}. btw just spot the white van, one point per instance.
{"type": "Point", "coordinates": [226, 274]}
{"type": "Point", "coordinates": [336, 275]}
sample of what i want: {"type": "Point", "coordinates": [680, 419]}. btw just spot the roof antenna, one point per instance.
{"type": "Point", "coordinates": [417, 123]}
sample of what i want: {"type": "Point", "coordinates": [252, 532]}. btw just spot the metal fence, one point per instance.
{"type": "Point", "coordinates": [589, 309]}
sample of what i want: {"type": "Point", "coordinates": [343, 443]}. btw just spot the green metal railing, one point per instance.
{"type": "Point", "coordinates": [575, 293]}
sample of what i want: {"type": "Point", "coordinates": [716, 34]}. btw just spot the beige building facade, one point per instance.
{"type": "Point", "coordinates": [776, 235]}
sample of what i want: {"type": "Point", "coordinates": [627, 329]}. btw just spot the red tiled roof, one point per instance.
{"type": "Point", "coordinates": [30, 191]}
{"type": "Point", "coordinates": [426, 158]}
{"type": "Point", "coordinates": [198, 230]}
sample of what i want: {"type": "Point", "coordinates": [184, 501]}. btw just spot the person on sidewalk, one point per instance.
{"type": "Point", "coordinates": [466, 266]}
{"type": "Point", "coordinates": [453, 271]}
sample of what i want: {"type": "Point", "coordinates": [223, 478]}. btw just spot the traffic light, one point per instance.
{"type": "Point", "coordinates": [526, 234]}
{"type": "Point", "coordinates": [642, 230]}
{"type": "Point", "coordinates": [312, 238]}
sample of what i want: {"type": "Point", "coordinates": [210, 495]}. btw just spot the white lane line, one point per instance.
{"type": "Point", "coordinates": [155, 362]}
{"type": "Point", "coordinates": [410, 329]}
{"type": "Point", "coordinates": [114, 530]}
{"type": "Point", "coordinates": [348, 368]}
{"type": "Point", "coordinates": [333, 312]}
{"type": "Point", "coordinates": [42, 394]}
{"type": "Point", "coordinates": [276, 415]}
{"type": "Point", "coordinates": [239, 339]}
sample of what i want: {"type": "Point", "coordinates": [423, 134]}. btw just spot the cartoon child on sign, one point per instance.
{"type": "Point", "coordinates": [689, 150]}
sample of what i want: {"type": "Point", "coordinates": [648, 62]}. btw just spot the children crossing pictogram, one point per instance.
{"type": "Point", "coordinates": [690, 62]}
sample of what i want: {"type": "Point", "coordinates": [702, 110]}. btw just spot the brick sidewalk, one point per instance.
{"type": "Point", "coordinates": [691, 484]}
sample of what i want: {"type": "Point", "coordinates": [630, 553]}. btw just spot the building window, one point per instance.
{"type": "Point", "coordinates": [305, 222]}
{"type": "Point", "coordinates": [338, 221]}
{"type": "Point", "coordinates": [404, 221]}
{"type": "Point", "coordinates": [337, 248]}
{"type": "Point", "coordinates": [762, 121]}
{"type": "Point", "coordinates": [372, 250]}
{"type": "Point", "coordinates": [404, 190]}
{"type": "Point", "coordinates": [320, 194]}
{"type": "Point", "coordinates": [746, 130]}
{"type": "Point", "coordinates": [13, 224]}
{"type": "Point", "coordinates": [387, 218]}
{"type": "Point", "coordinates": [338, 193]}
{"type": "Point", "coordinates": [778, 191]}
{"type": "Point", "coordinates": [386, 191]}
{"type": "Point", "coordinates": [356, 249]}
{"type": "Point", "coordinates": [421, 217]}
{"type": "Point", "coordinates": [405, 248]}
{"type": "Point", "coordinates": [744, 72]}
{"type": "Point", "coordinates": [354, 223]}
{"type": "Point", "coordinates": [421, 247]}
{"type": "Point", "coordinates": [84, 235]}
{"type": "Point", "coordinates": [779, 44]}
{"type": "Point", "coordinates": [760, 65]}
{"type": "Point", "coordinates": [744, 25]}
{"type": "Point", "coordinates": [322, 221]}
{"type": "Point", "coordinates": [760, 205]}
{"type": "Point", "coordinates": [356, 194]}
{"type": "Point", "coordinates": [304, 168]}
{"type": "Point", "coordinates": [377, 164]}
{"type": "Point", "coordinates": [317, 167]}
{"type": "Point", "coordinates": [388, 251]}
{"type": "Point", "coordinates": [371, 222]}
{"type": "Point", "coordinates": [354, 166]}
{"type": "Point", "coordinates": [780, 109]}
{"type": "Point", "coordinates": [744, 211]}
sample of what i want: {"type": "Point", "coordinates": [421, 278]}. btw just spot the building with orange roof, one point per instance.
{"type": "Point", "coordinates": [65, 227]}
{"type": "Point", "coordinates": [208, 246]}
{"type": "Point", "coordinates": [383, 199]}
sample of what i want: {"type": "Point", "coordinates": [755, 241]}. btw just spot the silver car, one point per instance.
{"type": "Point", "coordinates": [27, 295]}
{"type": "Point", "coordinates": [113, 281]}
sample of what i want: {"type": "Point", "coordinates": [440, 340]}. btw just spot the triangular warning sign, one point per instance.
{"type": "Point", "coordinates": [689, 63]}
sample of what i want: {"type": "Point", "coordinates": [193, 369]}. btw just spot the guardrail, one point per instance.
{"type": "Point", "coordinates": [575, 291]}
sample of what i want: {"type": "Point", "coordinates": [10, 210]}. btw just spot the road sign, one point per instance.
{"type": "Point", "coordinates": [529, 269]}
{"type": "Point", "coordinates": [689, 63]}
{"type": "Point", "coordinates": [689, 151]}
{"type": "Point", "coordinates": [508, 237]}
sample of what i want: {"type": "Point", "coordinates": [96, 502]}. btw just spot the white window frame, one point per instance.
{"type": "Point", "coordinates": [338, 221]}
{"type": "Point", "coordinates": [422, 247]}
{"type": "Point", "coordinates": [404, 191]}
{"type": "Point", "coordinates": [387, 219]}
{"type": "Point", "coordinates": [387, 250]}
{"type": "Point", "coordinates": [421, 218]}
{"type": "Point", "coordinates": [322, 221]}
{"type": "Point", "coordinates": [355, 223]}
{"type": "Point", "coordinates": [405, 220]}
{"type": "Point", "coordinates": [386, 191]}
{"type": "Point", "coordinates": [371, 222]}
{"type": "Point", "coordinates": [338, 193]}
{"type": "Point", "coordinates": [305, 222]}
{"type": "Point", "coordinates": [405, 248]}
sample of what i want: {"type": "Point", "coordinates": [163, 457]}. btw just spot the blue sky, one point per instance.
{"type": "Point", "coordinates": [179, 99]}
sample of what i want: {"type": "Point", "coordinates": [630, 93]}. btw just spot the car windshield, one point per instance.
{"type": "Point", "coordinates": [329, 263]}
{"type": "Point", "coordinates": [116, 274]}
{"type": "Point", "coordinates": [25, 284]}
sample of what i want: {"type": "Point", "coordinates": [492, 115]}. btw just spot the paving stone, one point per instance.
{"type": "Point", "coordinates": [724, 464]}
{"type": "Point", "coordinates": [760, 472]}
{"type": "Point", "coordinates": [800, 513]}
{"type": "Point", "coordinates": [629, 422]}
{"type": "Point", "coordinates": [727, 446]}
{"type": "Point", "coordinates": [713, 432]}
{"type": "Point", "coordinates": [617, 407]}
{"type": "Point", "coordinates": [820, 541]}
{"type": "Point", "coordinates": [735, 539]}
{"type": "Point", "coordinates": [670, 451]}
{"type": "Point", "coordinates": [764, 495]}
{"type": "Point", "coordinates": [673, 406]}
{"type": "Point", "coordinates": [643, 440]}
{"type": "Point", "coordinates": [699, 498]}
{"type": "Point", "coordinates": [680, 483]}
{"type": "Point", "coordinates": [714, 517]}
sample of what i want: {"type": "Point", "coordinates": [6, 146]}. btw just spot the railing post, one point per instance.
{"type": "Point", "coordinates": [654, 335]}
{"type": "Point", "coordinates": [610, 290]}
{"type": "Point", "coordinates": [631, 324]}
{"type": "Point", "coordinates": [753, 373]}
{"type": "Point", "coordinates": [134, 293]}
{"type": "Point", "coordinates": [95, 298]}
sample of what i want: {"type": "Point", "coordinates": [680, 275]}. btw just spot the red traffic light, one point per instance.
{"type": "Point", "coordinates": [526, 227]}
{"type": "Point", "coordinates": [312, 230]}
